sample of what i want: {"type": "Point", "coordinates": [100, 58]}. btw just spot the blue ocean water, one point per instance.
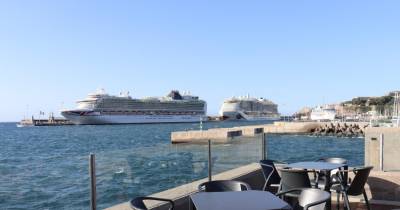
{"type": "Point", "coordinates": [47, 167]}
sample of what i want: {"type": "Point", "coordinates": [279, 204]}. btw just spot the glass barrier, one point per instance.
{"type": "Point", "coordinates": [142, 171]}
{"type": "Point", "coordinates": [296, 148]}
{"type": "Point", "coordinates": [123, 174]}
{"type": "Point", "coordinates": [136, 170]}
{"type": "Point", "coordinates": [235, 152]}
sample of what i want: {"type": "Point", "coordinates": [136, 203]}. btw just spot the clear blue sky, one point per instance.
{"type": "Point", "coordinates": [297, 53]}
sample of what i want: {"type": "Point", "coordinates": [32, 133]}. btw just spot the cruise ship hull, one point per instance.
{"type": "Point", "coordinates": [262, 118]}
{"type": "Point", "coordinates": [250, 109]}
{"type": "Point", "coordinates": [131, 119]}
{"type": "Point", "coordinates": [323, 116]}
{"type": "Point", "coordinates": [237, 115]}
{"type": "Point", "coordinates": [102, 108]}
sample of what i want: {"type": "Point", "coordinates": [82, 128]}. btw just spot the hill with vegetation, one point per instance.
{"type": "Point", "coordinates": [364, 104]}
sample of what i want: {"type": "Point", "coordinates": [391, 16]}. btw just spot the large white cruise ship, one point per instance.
{"type": "Point", "coordinates": [249, 108]}
{"type": "Point", "coordinates": [102, 108]}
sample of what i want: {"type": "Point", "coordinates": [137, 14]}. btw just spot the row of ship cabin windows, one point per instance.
{"type": "Point", "coordinates": [151, 112]}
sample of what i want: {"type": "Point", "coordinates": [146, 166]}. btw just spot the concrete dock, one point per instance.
{"type": "Point", "coordinates": [224, 134]}
{"type": "Point", "coordinates": [52, 121]}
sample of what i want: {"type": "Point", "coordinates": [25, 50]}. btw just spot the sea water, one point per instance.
{"type": "Point", "coordinates": [47, 167]}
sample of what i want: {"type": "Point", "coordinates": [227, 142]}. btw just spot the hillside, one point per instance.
{"type": "Point", "coordinates": [364, 104]}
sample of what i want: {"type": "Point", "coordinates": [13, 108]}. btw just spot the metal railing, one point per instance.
{"type": "Point", "coordinates": [92, 174]}
{"type": "Point", "coordinates": [209, 161]}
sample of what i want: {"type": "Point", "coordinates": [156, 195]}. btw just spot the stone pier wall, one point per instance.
{"type": "Point", "coordinates": [388, 150]}
{"type": "Point", "coordinates": [225, 134]}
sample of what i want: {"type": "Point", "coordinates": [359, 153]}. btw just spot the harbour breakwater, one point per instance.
{"type": "Point", "coordinates": [340, 129]}
{"type": "Point", "coordinates": [223, 135]}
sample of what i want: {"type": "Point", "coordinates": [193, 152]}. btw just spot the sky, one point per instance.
{"type": "Point", "coordinates": [296, 53]}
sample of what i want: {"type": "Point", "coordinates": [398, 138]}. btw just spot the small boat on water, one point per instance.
{"type": "Point", "coordinates": [23, 124]}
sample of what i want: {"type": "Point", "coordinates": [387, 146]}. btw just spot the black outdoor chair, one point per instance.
{"type": "Point", "coordinates": [355, 188]}
{"type": "Point", "coordinates": [320, 179]}
{"type": "Point", "coordinates": [138, 204]}
{"type": "Point", "coordinates": [223, 186]}
{"type": "Point", "coordinates": [293, 179]}
{"type": "Point", "coordinates": [271, 175]}
{"type": "Point", "coordinates": [309, 199]}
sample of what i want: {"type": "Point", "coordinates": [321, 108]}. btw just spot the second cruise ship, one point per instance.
{"type": "Point", "coordinates": [102, 108]}
{"type": "Point", "coordinates": [249, 108]}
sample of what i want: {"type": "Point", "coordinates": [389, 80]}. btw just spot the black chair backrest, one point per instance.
{"type": "Point", "coordinates": [270, 173]}
{"type": "Point", "coordinates": [138, 204]}
{"type": "Point", "coordinates": [223, 186]}
{"type": "Point", "coordinates": [294, 178]}
{"type": "Point", "coordinates": [357, 185]}
{"type": "Point", "coordinates": [334, 160]}
{"type": "Point", "coordinates": [309, 196]}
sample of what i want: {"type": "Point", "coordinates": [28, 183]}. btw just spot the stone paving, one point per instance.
{"type": "Point", "coordinates": [362, 206]}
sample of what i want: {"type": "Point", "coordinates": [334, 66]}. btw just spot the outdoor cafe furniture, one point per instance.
{"type": "Point", "coordinates": [355, 188]}
{"type": "Point", "coordinates": [223, 185]}
{"type": "Point", "coordinates": [309, 199]}
{"type": "Point", "coordinates": [271, 175]}
{"type": "Point", "coordinates": [238, 200]}
{"type": "Point", "coordinates": [324, 167]}
{"type": "Point", "coordinates": [293, 179]}
{"type": "Point", "coordinates": [320, 181]}
{"type": "Point", "coordinates": [138, 202]}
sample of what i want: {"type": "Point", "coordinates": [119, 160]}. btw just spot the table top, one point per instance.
{"type": "Point", "coordinates": [238, 200]}
{"type": "Point", "coordinates": [314, 165]}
